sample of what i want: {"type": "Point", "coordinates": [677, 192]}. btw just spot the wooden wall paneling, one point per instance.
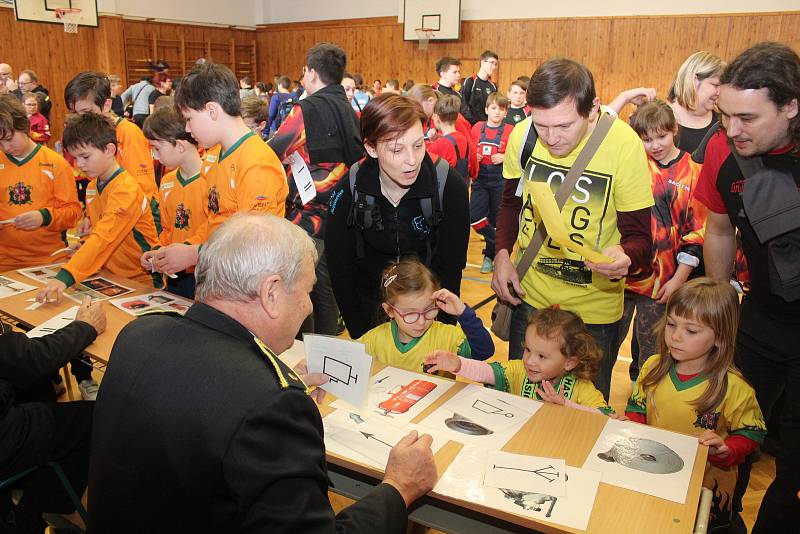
{"type": "Point", "coordinates": [622, 52]}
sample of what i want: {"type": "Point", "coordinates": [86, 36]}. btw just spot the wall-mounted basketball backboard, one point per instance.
{"type": "Point", "coordinates": [442, 19]}
{"type": "Point", "coordinates": [47, 10]}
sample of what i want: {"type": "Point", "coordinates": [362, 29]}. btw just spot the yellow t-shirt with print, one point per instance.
{"type": "Point", "coordinates": [383, 343]}
{"type": "Point", "coordinates": [616, 179]}
{"type": "Point", "coordinates": [669, 407]}
{"type": "Point", "coordinates": [511, 377]}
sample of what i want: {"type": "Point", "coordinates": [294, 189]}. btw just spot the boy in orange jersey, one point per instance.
{"type": "Point", "coordinates": [91, 92]}
{"type": "Point", "coordinates": [243, 173]}
{"type": "Point", "coordinates": [183, 193]}
{"type": "Point", "coordinates": [39, 199]}
{"type": "Point", "coordinates": [122, 225]}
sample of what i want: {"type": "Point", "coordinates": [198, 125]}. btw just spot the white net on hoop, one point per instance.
{"type": "Point", "coordinates": [69, 19]}
{"type": "Point", "coordinates": [424, 35]}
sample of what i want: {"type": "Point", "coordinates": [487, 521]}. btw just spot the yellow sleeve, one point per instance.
{"type": "Point", "coordinates": [167, 215]}
{"type": "Point", "coordinates": [123, 208]}
{"type": "Point", "coordinates": [511, 167]}
{"type": "Point", "coordinates": [637, 403]}
{"type": "Point", "coordinates": [262, 188]}
{"type": "Point", "coordinates": [65, 210]}
{"type": "Point", "coordinates": [588, 395]}
{"type": "Point", "coordinates": [632, 185]}
{"type": "Point", "coordinates": [742, 412]}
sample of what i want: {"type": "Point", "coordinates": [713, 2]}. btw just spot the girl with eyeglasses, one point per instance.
{"type": "Point", "coordinates": [412, 298]}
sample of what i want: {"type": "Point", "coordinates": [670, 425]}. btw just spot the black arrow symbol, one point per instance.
{"type": "Point", "coordinates": [367, 435]}
{"type": "Point", "coordinates": [378, 381]}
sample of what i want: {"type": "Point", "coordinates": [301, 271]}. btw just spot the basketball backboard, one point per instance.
{"type": "Point", "coordinates": [45, 11]}
{"type": "Point", "coordinates": [442, 17]}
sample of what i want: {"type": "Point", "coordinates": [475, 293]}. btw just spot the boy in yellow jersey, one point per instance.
{"type": "Point", "coordinates": [243, 173]}
{"type": "Point", "coordinates": [183, 193]}
{"type": "Point", "coordinates": [91, 92]}
{"type": "Point", "coordinates": [122, 225]}
{"type": "Point", "coordinates": [39, 202]}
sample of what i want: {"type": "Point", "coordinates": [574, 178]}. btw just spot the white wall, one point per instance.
{"type": "Point", "coordinates": [228, 12]}
{"type": "Point", "coordinates": [252, 12]}
{"type": "Point", "coordinates": [275, 11]}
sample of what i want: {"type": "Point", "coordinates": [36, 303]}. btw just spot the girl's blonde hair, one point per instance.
{"type": "Point", "coordinates": [575, 339]}
{"type": "Point", "coordinates": [713, 304]}
{"type": "Point", "coordinates": [407, 276]}
{"type": "Point", "coordinates": [421, 92]}
{"type": "Point", "coordinates": [696, 68]}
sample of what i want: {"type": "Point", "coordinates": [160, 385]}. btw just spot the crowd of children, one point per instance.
{"type": "Point", "coordinates": [214, 163]}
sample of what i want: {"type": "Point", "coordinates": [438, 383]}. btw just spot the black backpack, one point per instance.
{"type": "Point", "coordinates": [284, 108]}
{"type": "Point", "coordinates": [364, 213]}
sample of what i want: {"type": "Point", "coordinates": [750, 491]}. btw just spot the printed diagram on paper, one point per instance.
{"type": "Point", "coordinates": [158, 301]}
{"type": "Point", "coordinates": [525, 473]}
{"type": "Point", "coordinates": [397, 396]}
{"type": "Point", "coordinates": [345, 362]}
{"type": "Point", "coordinates": [10, 287]}
{"type": "Point", "coordinates": [463, 481]}
{"type": "Point", "coordinates": [644, 459]}
{"type": "Point", "coordinates": [481, 416]}
{"type": "Point", "coordinates": [366, 441]}
{"type": "Point", "coordinates": [41, 273]}
{"type": "Point", "coordinates": [54, 323]}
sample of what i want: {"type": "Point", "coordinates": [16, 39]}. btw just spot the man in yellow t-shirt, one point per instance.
{"type": "Point", "coordinates": [608, 210]}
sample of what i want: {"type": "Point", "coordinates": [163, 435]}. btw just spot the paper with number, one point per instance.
{"type": "Point", "coordinates": [525, 473]}
{"type": "Point", "coordinates": [346, 363]}
{"type": "Point", "coordinates": [302, 177]}
{"type": "Point", "coordinates": [645, 459]}
{"type": "Point", "coordinates": [54, 323]}
{"type": "Point", "coordinates": [546, 205]}
{"type": "Point", "coordinates": [9, 287]}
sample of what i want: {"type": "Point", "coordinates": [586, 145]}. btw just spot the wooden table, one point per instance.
{"type": "Point", "coordinates": [116, 319]}
{"type": "Point", "coordinates": [555, 432]}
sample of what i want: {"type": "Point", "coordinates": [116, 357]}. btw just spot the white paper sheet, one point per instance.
{"type": "Point", "coordinates": [302, 177]}
{"type": "Point", "coordinates": [156, 301]}
{"type": "Point", "coordinates": [346, 363]}
{"type": "Point", "coordinates": [9, 287]}
{"type": "Point", "coordinates": [397, 396]}
{"type": "Point", "coordinates": [41, 273]}
{"type": "Point", "coordinates": [367, 441]}
{"type": "Point", "coordinates": [644, 459]}
{"type": "Point", "coordinates": [54, 323]}
{"type": "Point", "coordinates": [463, 480]}
{"type": "Point", "coordinates": [97, 288]}
{"type": "Point", "coordinates": [481, 416]}
{"type": "Point", "coordinates": [294, 355]}
{"type": "Point", "coordinates": [521, 472]}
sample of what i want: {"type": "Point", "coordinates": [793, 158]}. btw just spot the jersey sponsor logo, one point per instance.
{"type": "Point", "coordinates": [213, 199]}
{"type": "Point", "coordinates": [182, 216]}
{"type": "Point", "coordinates": [19, 194]}
{"type": "Point", "coordinates": [679, 185]}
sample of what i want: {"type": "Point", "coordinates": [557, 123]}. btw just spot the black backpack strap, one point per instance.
{"type": "Point", "coordinates": [432, 209]}
{"type": "Point", "coordinates": [455, 146]}
{"type": "Point", "coordinates": [699, 154]}
{"type": "Point", "coordinates": [364, 213]}
{"type": "Point", "coordinates": [527, 149]}
{"type": "Point", "coordinates": [748, 166]}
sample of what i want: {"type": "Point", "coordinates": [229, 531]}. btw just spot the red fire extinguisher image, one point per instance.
{"type": "Point", "coordinates": [407, 396]}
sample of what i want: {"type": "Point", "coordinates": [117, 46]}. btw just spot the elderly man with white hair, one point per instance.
{"type": "Point", "coordinates": [199, 427]}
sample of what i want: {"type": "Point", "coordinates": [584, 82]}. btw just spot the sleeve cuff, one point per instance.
{"type": "Point", "coordinates": [46, 217]}
{"type": "Point", "coordinates": [500, 381]}
{"type": "Point", "coordinates": [688, 259]}
{"type": "Point", "coordinates": [65, 277]}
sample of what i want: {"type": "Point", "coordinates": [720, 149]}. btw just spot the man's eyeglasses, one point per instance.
{"type": "Point", "coordinates": [413, 317]}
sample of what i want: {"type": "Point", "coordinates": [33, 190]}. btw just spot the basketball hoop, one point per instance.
{"type": "Point", "coordinates": [69, 17]}
{"type": "Point", "coordinates": [424, 35]}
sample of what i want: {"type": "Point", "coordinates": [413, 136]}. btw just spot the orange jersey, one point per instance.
{"type": "Point", "coordinates": [184, 206]}
{"type": "Point", "coordinates": [42, 181]}
{"type": "Point", "coordinates": [134, 155]}
{"type": "Point", "coordinates": [122, 229]}
{"type": "Point", "coordinates": [248, 177]}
